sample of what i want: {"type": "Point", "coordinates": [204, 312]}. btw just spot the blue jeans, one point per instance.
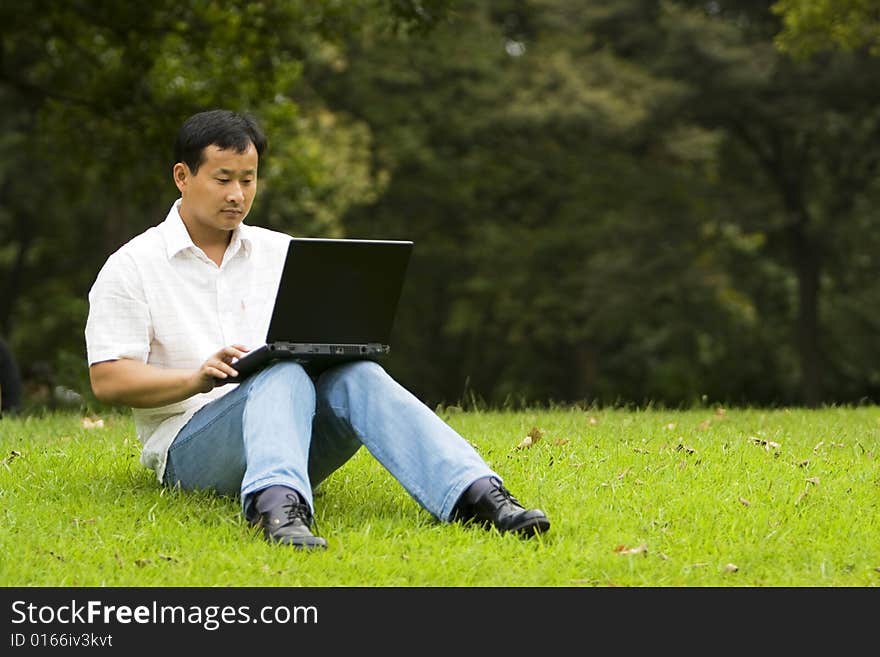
{"type": "Point", "coordinates": [284, 427]}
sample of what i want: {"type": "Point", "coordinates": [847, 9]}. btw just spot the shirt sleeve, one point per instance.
{"type": "Point", "coordinates": [118, 324]}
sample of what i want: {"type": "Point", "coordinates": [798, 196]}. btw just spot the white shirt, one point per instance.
{"type": "Point", "coordinates": [159, 299]}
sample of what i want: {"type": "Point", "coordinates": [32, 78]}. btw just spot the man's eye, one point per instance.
{"type": "Point", "coordinates": [222, 180]}
{"type": "Point", "coordinates": [247, 181]}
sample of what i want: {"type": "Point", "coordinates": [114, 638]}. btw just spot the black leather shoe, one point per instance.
{"type": "Point", "coordinates": [489, 503]}
{"type": "Point", "coordinates": [289, 523]}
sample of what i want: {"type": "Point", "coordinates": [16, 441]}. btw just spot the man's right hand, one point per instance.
{"type": "Point", "coordinates": [218, 366]}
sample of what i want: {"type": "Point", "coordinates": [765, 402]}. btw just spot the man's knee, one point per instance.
{"type": "Point", "coordinates": [287, 369]}
{"type": "Point", "coordinates": [365, 368]}
{"type": "Point", "coordinates": [355, 376]}
{"type": "Point", "coordinates": [365, 371]}
{"type": "Point", "coordinates": [287, 374]}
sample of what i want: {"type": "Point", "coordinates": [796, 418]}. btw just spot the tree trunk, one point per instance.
{"type": "Point", "coordinates": [807, 265]}
{"type": "Point", "coordinates": [583, 385]}
{"type": "Point", "coordinates": [13, 281]}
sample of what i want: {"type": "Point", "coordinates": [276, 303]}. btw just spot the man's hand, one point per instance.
{"type": "Point", "coordinates": [139, 385]}
{"type": "Point", "coordinates": [218, 366]}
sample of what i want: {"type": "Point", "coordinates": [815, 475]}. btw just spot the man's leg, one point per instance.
{"type": "Point", "coordinates": [360, 403]}
{"type": "Point", "coordinates": [255, 439]}
{"type": "Point", "coordinates": [277, 430]}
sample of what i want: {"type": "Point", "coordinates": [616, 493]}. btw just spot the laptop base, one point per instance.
{"type": "Point", "coordinates": [315, 358]}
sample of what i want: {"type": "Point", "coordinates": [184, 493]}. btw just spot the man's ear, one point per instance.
{"type": "Point", "coordinates": [181, 175]}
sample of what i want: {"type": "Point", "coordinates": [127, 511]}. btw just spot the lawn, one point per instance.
{"type": "Point", "coordinates": [702, 497]}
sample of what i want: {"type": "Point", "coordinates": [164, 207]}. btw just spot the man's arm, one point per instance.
{"type": "Point", "coordinates": [132, 383]}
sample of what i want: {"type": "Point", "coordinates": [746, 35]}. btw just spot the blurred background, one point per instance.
{"type": "Point", "coordinates": [613, 201]}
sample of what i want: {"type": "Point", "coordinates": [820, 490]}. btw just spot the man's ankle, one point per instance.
{"type": "Point", "coordinates": [268, 498]}
{"type": "Point", "coordinates": [272, 496]}
{"type": "Point", "coordinates": [479, 487]}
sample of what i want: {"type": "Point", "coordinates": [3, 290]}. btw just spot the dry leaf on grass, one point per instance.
{"type": "Point", "coordinates": [80, 521]}
{"type": "Point", "coordinates": [766, 444]}
{"type": "Point", "coordinates": [744, 501]}
{"type": "Point", "coordinates": [12, 456]}
{"type": "Point", "coordinates": [89, 423]}
{"type": "Point", "coordinates": [731, 568]}
{"type": "Point", "coordinates": [639, 549]}
{"type": "Point", "coordinates": [535, 434]}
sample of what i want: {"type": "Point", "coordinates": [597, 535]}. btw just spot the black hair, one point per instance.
{"type": "Point", "coordinates": [222, 128]}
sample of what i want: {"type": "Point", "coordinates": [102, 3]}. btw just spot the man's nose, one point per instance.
{"type": "Point", "coordinates": [235, 193]}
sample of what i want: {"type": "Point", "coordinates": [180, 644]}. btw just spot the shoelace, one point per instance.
{"type": "Point", "coordinates": [500, 495]}
{"type": "Point", "coordinates": [299, 510]}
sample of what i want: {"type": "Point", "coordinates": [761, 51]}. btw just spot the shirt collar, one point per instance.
{"type": "Point", "coordinates": [177, 236]}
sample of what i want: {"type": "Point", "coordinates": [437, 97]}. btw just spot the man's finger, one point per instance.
{"type": "Point", "coordinates": [233, 352]}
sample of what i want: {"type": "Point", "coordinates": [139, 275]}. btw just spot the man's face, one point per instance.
{"type": "Point", "coordinates": [219, 196]}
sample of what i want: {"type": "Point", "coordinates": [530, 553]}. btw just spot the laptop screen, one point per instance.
{"type": "Point", "coordinates": [339, 290]}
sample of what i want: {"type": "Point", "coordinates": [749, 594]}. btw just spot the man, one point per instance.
{"type": "Point", "coordinates": [171, 311]}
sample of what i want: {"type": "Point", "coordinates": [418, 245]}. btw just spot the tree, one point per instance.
{"type": "Point", "coordinates": [636, 200]}
{"type": "Point", "coordinates": [799, 138]}
{"type": "Point", "coordinates": [91, 96]}
{"type": "Point", "coordinates": [812, 26]}
{"type": "Point", "coordinates": [524, 166]}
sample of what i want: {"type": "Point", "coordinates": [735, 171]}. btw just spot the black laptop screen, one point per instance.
{"type": "Point", "coordinates": [339, 290]}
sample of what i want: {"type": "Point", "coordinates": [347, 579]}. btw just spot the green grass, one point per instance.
{"type": "Point", "coordinates": [638, 498]}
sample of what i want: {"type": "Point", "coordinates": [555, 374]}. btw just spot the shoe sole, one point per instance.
{"type": "Point", "coordinates": [309, 544]}
{"type": "Point", "coordinates": [297, 543]}
{"type": "Point", "coordinates": [304, 546]}
{"type": "Point", "coordinates": [528, 527]}
{"type": "Point", "coordinates": [531, 527]}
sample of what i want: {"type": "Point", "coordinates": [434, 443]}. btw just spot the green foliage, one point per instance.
{"type": "Point", "coordinates": [613, 200]}
{"type": "Point", "coordinates": [92, 95]}
{"type": "Point", "coordinates": [814, 26]}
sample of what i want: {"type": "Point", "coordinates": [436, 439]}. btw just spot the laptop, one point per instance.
{"type": "Point", "coordinates": [336, 302]}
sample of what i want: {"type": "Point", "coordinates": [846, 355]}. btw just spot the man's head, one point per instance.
{"type": "Point", "coordinates": [216, 156]}
{"type": "Point", "coordinates": [224, 129]}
